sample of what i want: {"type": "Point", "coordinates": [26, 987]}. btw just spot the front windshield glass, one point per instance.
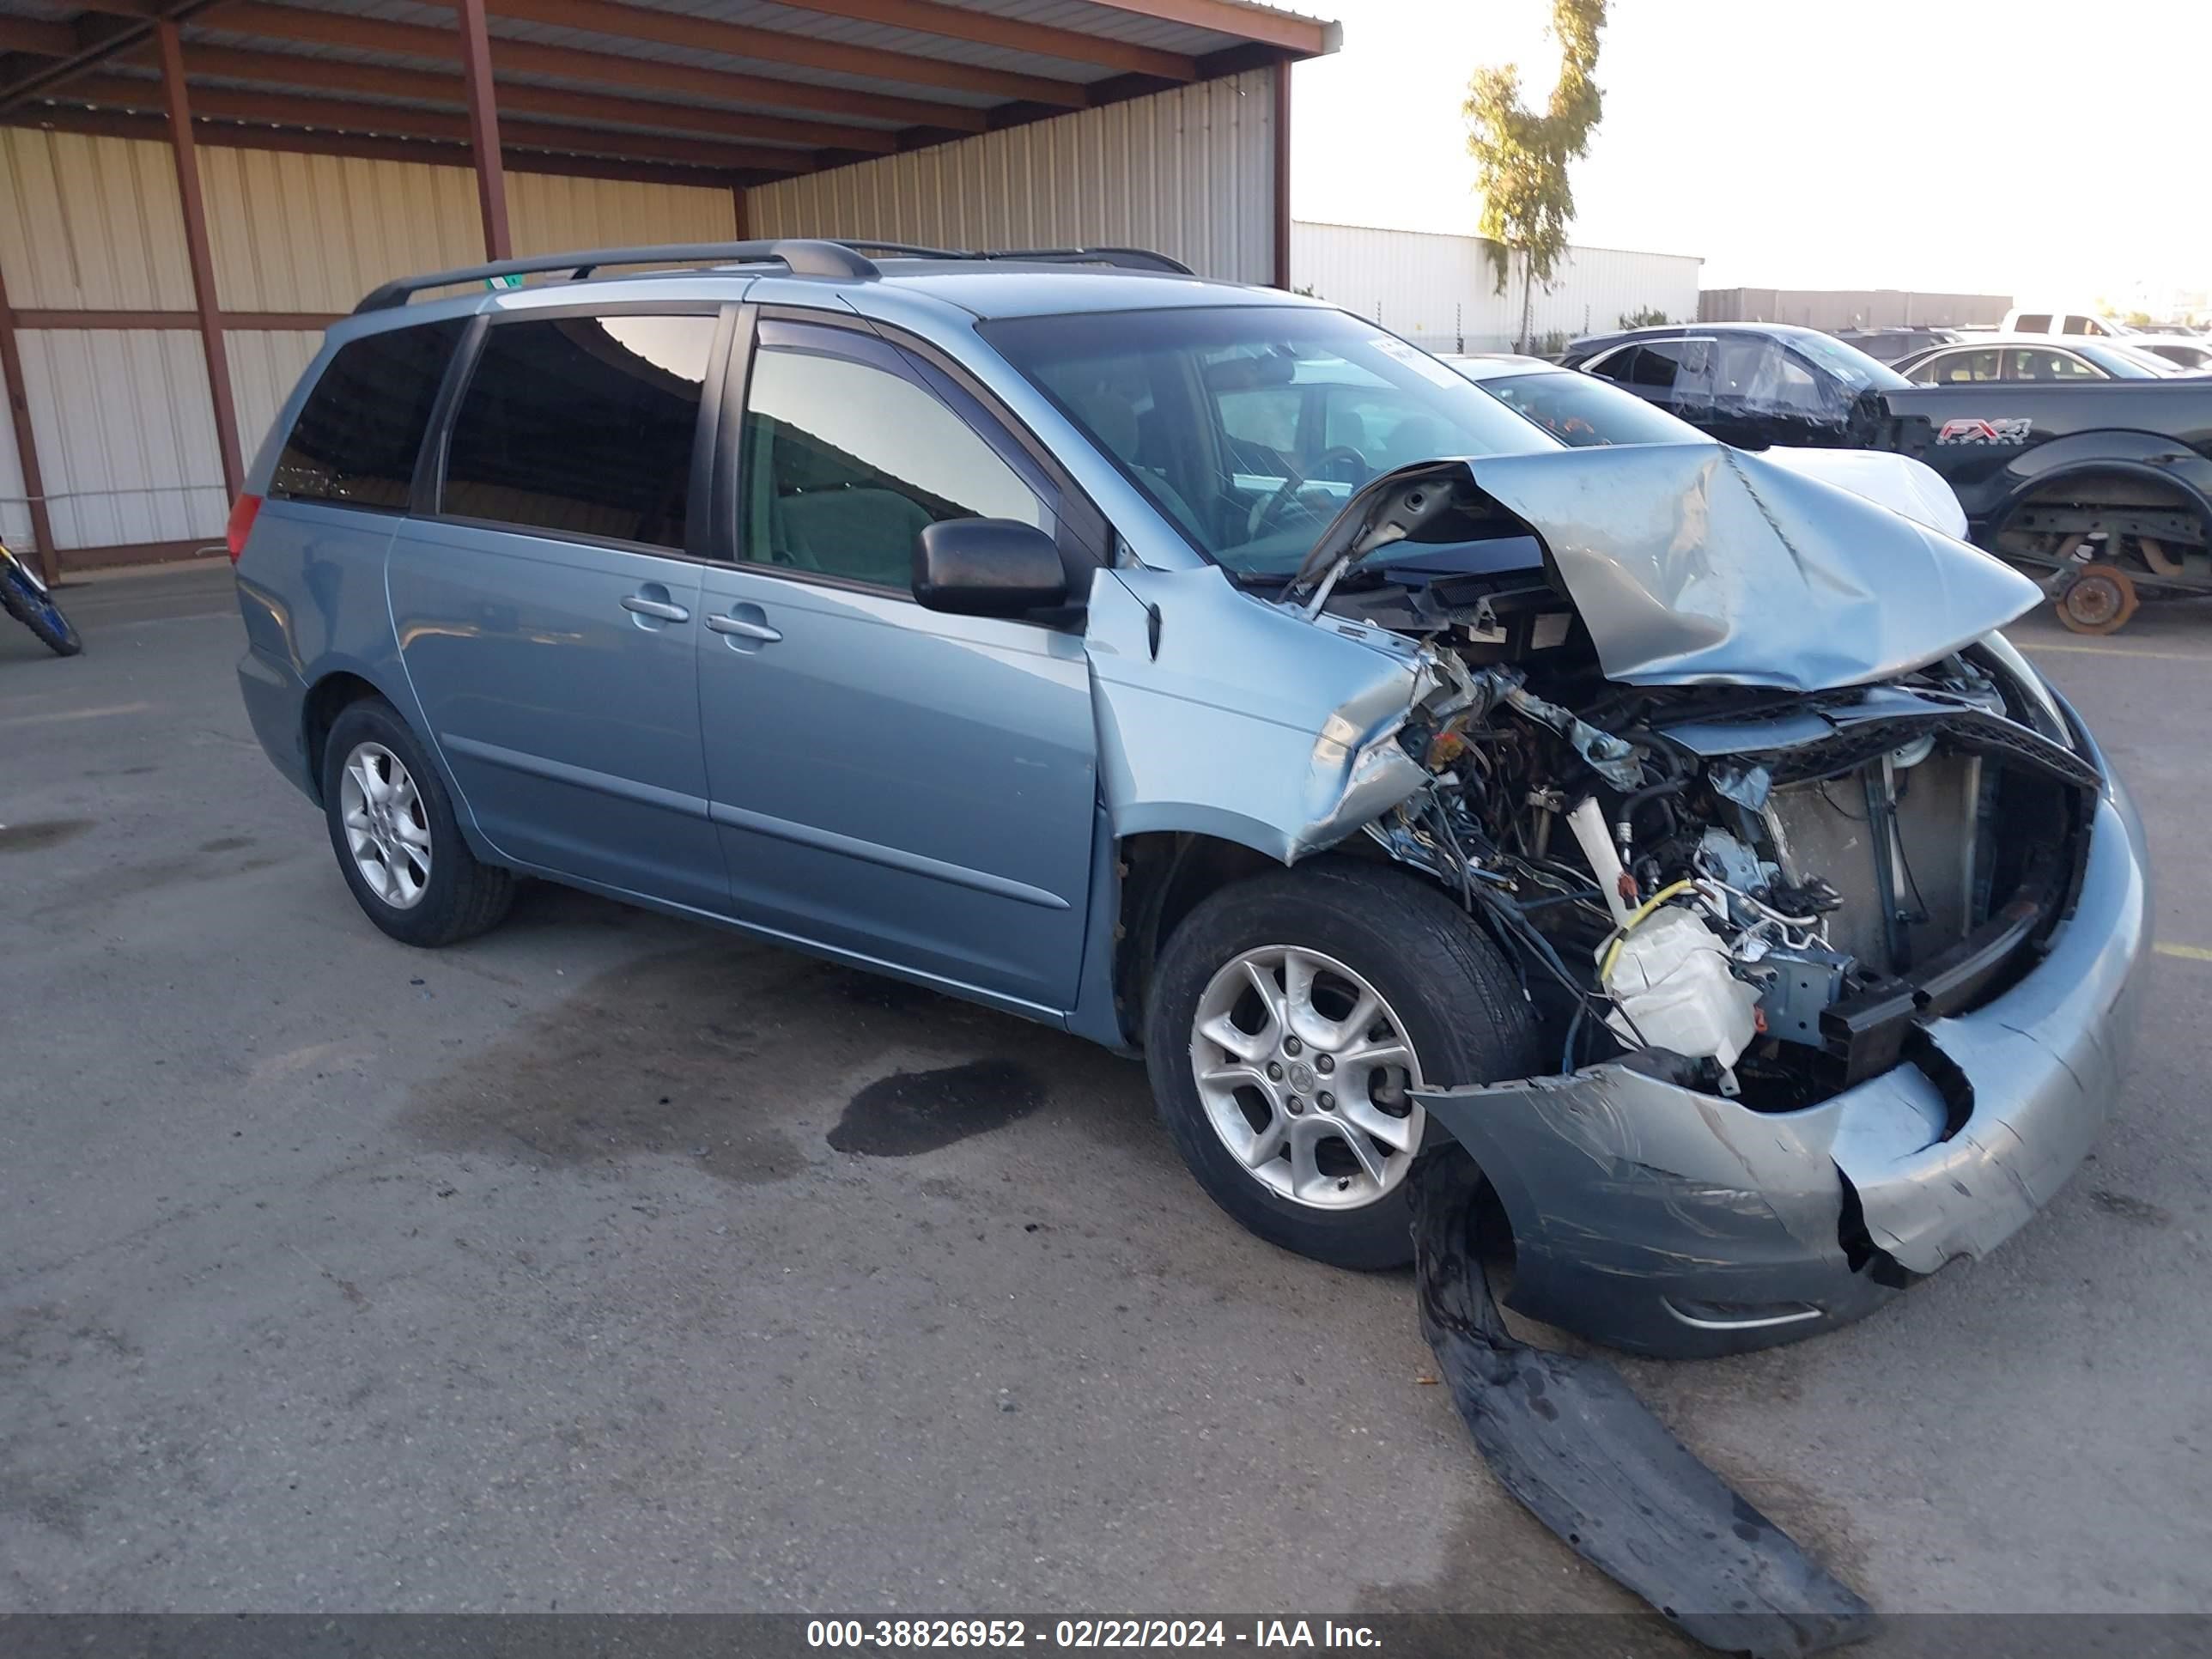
{"type": "Point", "coordinates": [1584, 411]}
{"type": "Point", "coordinates": [2124, 362]}
{"type": "Point", "coordinates": [1847, 363]}
{"type": "Point", "coordinates": [1250, 427]}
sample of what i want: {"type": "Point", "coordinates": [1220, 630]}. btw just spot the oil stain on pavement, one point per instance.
{"type": "Point", "coordinates": [712, 1053]}
{"type": "Point", "coordinates": [911, 1112]}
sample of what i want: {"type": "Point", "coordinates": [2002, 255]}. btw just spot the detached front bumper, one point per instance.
{"type": "Point", "coordinates": [1664, 1221]}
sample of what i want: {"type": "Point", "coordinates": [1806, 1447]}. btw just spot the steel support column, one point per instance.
{"type": "Point", "coordinates": [19, 411]}
{"type": "Point", "coordinates": [483, 129]}
{"type": "Point", "coordinates": [1282, 136]}
{"type": "Point", "coordinates": [194, 203]}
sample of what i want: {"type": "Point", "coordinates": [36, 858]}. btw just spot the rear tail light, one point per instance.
{"type": "Point", "coordinates": [242, 514]}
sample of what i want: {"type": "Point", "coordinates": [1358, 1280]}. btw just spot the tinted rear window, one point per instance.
{"type": "Point", "coordinates": [355, 442]}
{"type": "Point", "coordinates": [582, 425]}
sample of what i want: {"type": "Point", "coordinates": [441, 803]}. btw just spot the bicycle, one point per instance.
{"type": "Point", "coordinates": [24, 597]}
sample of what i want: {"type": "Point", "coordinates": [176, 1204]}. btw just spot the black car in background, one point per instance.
{"type": "Point", "coordinates": [1886, 345]}
{"type": "Point", "coordinates": [2102, 487]}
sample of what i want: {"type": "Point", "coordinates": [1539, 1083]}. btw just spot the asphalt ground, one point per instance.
{"type": "Point", "coordinates": [525, 1275]}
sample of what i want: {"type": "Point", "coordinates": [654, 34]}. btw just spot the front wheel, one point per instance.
{"type": "Point", "coordinates": [1291, 1020]}
{"type": "Point", "coordinates": [25, 597]}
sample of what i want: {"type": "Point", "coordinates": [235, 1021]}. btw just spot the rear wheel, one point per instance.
{"type": "Point", "coordinates": [1290, 1019]}
{"type": "Point", "coordinates": [393, 828]}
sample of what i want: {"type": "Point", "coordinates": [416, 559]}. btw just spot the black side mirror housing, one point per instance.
{"type": "Point", "coordinates": [987, 568]}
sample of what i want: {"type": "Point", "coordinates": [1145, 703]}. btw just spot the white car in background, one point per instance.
{"type": "Point", "coordinates": [1582, 411]}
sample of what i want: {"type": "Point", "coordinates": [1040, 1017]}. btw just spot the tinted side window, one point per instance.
{"type": "Point", "coordinates": [582, 425]}
{"type": "Point", "coordinates": [845, 462]}
{"type": "Point", "coordinates": [2034, 322]}
{"type": "Point", "coordinates": [1620, 367]}
{"type": "Point", "coordinates": [356, 440]}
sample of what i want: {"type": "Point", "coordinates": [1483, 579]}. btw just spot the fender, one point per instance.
{"type": "Point", "coordinates": [2147, 456]}
{"type": "Point", "coordinates": [1226, 716]}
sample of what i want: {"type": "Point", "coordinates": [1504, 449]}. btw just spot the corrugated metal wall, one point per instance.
{"type": "Point", "coordinates": [1188, 172]}
{"type": "Point", "coordinates": [1863, 307]}
{"type": "Point", "coordinates": [124, 424]}
{"type": "Point", "coordinates": [315, 233]}
{"type": "Point", "coordinates": [90, 223]}
{"type": "Point", "coordinates": [15, 510]}
{"type": "Point", "coordinates": [1440, 292]}
{"type": "Point", "coordinates": [126, 434]}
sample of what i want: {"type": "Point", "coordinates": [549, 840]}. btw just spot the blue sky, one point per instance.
{"type": "Point", "coordinates": [2054, 149]}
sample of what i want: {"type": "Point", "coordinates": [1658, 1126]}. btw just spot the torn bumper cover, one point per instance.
{"type": "Point", "coordinates": [1665, 1221]}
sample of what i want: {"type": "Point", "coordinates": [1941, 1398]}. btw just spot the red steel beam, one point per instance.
{"type": "Point", "coordinates": [334, 75]}
{"type": "Point", "coordinates": [98, 38]}
{"type": "Point", "coordinates": [484, 129]}
{"type": "Point", "coordinates": [197, 249]}
{"type": "Point", "coordinates": [1308, 36]}
{"type": "Point", "coordinates": [1043, 39]}
{"type": "Point", "coordinates": [294, 141]}
{"type": "Point", "coordinates": [27, 439]}
{"type": "Point", "coordinates": [300, 110]}
{"type": "Point", "coordinates": [41, 40]}
{"type": "Point", "coordinates": [605, 69]}
{"type": "Point", "coordinates": [232, 321]}
{"type": "Point", "coordinates": [775, 46]}
{"type": "Point", "coordinates": [1282, 137]}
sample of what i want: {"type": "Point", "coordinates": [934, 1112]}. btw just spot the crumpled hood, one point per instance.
{"type": "Point", "coordinates": [1698, 563]}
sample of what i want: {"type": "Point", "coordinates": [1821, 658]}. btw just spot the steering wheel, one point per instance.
{"type": "Point", "coordinates": [1264, 516]}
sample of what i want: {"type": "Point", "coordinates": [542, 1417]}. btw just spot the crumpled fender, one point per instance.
{"type": "Point", "coordinates": [1221, 715]}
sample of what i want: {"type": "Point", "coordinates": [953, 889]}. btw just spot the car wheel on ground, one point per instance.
{"type": "Point", "coordinates": [392, 827]}
{"type": "Point", "coordinates": [1291, 1018]}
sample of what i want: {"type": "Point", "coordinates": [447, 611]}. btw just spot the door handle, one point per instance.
{"type": "Point", "coordinates": [660, 608]}
{"type": "Point", "coordinates": [741, 629]}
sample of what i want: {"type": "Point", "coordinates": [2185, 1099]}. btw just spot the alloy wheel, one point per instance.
{"type": "Point", "coordinates": [1306, 1074]}
{"type": "Point", "coordinates": [386, 825]}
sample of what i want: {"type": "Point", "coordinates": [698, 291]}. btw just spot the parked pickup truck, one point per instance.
{"type": "Point", "coordinates": [2103, 489]}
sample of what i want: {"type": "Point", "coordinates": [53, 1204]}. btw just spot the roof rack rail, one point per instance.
{"type": "Point", "coordinates": [801, 256]}
{"type": "Point", "coordinates": [1127, 258]}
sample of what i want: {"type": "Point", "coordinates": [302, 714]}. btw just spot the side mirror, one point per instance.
{"type": "Point", "coordinates": [986, 568]}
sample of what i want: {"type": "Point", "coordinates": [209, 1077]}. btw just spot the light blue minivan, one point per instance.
{"type": "Point", "coordinates": [1210, 674]}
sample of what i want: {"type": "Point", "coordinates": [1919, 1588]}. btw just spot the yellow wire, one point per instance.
{"type": "Point", "coordinates": [1635, 919]}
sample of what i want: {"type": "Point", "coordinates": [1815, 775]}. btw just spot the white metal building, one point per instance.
{"type": "Point", "coordinates": [191, 191]}
{"type": "Point", "coordinates": [1441, 291]}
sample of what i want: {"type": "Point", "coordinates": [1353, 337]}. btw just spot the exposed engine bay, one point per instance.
{"type": "Point", "coordinates": [1763, 887]}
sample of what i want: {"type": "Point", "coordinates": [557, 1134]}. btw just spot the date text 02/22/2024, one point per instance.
{"type": "Point", "coordinates": [1082, 1633]}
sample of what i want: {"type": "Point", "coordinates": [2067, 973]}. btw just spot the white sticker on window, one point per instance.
{"type": "Point", "coordinates": [1415, 359]}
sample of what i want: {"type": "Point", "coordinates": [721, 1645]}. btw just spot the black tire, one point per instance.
{"type": "Point", "coordinates": [461, 898]}
{"type": "Point", "coordinates": [25, 597]}
{"type": "Point", "coordinates": [1453, 993]}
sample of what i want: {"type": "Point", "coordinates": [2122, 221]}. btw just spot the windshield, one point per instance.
{"type": "Point", "coordinates": [2124, 362]}
{"type": "Point", "coordinates": [1584, 411]}
{"type": "Point", "coordinates": [1250, 427]}
{"type": "Point", "coordinates": [1847, 363]}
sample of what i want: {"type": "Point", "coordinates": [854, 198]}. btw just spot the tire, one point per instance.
{"type": "Point", "coordinates": [440, 897]}
{"type": "Point", "coordinates": [25, 597]}
{"type": "Point", "coordinates": [1440, 980]}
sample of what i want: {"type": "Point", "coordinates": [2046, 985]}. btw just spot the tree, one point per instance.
{"type": "Point", "coordinates": [1522, 156]}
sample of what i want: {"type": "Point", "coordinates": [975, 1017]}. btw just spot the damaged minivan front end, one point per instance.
{"type": "Point", "coordinates": [1828, 910]}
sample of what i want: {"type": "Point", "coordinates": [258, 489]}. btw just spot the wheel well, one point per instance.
{"type": "Point", "coordinates": [1164, 876]}
{"type": "Point", "coordinates": [2110, 489]}
{"type": "Point", "coordinates": [326, 700]}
